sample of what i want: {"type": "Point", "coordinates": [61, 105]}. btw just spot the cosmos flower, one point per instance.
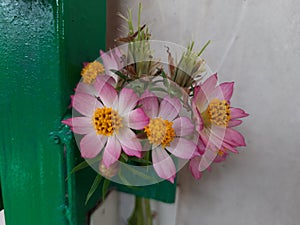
{"type": "Point", "coordinates": [106, 121]}
{"type": "Point", "coordinates": [167, 133]}
{"type": "Point", "coordinates": [216, 118]}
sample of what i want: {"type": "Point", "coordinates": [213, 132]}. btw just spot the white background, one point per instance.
{"type": "Point", "coordinates": [256, 44]}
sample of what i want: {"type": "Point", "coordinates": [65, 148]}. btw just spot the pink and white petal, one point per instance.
{"type": "Point", "coordinates": [227, 90]}
{"type": "Point", "coordinates": [234, 137]}
{"type": "Point", "coordinates": [237, 113]}
{"type": "Point", "coordinates": [163, 164]}
{"type": "Point", "coordinates": [194, 167]}
{"type": "Point", "coordinates": [223, 91]}
{"type": "Point", "coordinates": [208, 157]}
{"type": "Point", "coordinates": [68, 122]}
{"type": "Point", "coordinates": [111, 152]}
{"type": "Point", "coordinates": [127, 100]}
{"type": "Point", "coordinates": [234, 123]}
{"type": "Point", "coordinates": [149, 103]}
{"type": "Point", "coordinates": [107, 79]}
{"type": "Point", "coordinates": [229, 147]}
{"type": "Point", "coordinates": [138, 119]}
{"type": "Point", "coordinates": [110, 63]}
{"type": "Point", "coordinates": [199, 124]}
{"type": "Point", "coordinates": [106, 92]}
{"type": "Point", "coordinates": [216, 136]}
{"type": "Point", "coordinates": [169, 108]}
{"type": "Point", "coordinates": [182, 148]}
{"type": "Point", "coordinates": [91, 145]}
{"type": "Point", "coordinates": [183, 126]}
{"type": "Point", "coordinates": [85, 89]}
{"type": "Point", "coordinates": [132, 152]}
{"type": "Point", "coordinates": [85, 104]}
{"type": "Point", "coordinates": [201, 145]}
{"type": "Point", "coordinates": [80, 125]}
{"type": "Point", "coordinates": [209, 84]}
{"type": "Point", "coordinates": [219, 159]}
{"type": "Point", "coordinates": [200, 100]}
{"type": "Point", "coordinates": [129, 141]}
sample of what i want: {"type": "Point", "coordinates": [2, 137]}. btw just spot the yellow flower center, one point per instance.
{"type": "Point", "coordinates": [91, 71]}
{"type": "Point", "coordinates": [219, 112]}
{"type": "Point", "coordinates": [106, 121]}
{"type": "Point", "coordinates": [221, 152]}
{"type": "Point", "coordinates": [160, 131]}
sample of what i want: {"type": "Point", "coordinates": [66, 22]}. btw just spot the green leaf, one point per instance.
{"type": "Point", "coordinates": [140, 174]}
{"type": "Point", "coordinates": [93, 187]}
{"type": "Point", "coordinates": [123, 179]}
{"type": "Point", "coordinates": [83, 165]}
{"type": "Point", "coordinates": [204, 47]}
{"type": "Point", "coordinates": [121, 75]}
{"type": "Point", "coordinates": [105, 188]}
{"type": "Point", "coordinates": [124, 156]}
{"type": "Point", "coordinates": [145, 161]}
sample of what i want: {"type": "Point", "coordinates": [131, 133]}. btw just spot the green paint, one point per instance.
{"type": "Point", "coordinates": [42, 46]}
{"type": "Point", "coordinates": [1, 201]}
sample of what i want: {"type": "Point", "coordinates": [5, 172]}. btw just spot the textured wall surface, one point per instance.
{"type": "Point", "coordinates": [255, 43]}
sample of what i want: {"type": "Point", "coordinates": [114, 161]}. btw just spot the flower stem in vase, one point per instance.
{"type": "Point", "coordinates": [142, 214]}
{"type": "Point", "coordinates": [148, 212]}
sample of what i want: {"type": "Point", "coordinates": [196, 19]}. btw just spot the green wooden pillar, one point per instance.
{"type": "Point", "coordinates": [42, 46]}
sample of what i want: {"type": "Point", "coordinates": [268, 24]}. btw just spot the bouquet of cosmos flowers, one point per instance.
{"type": "Point", "coordinates": [140, 114]}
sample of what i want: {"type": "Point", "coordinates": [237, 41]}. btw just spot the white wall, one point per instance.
{"type": "Point", "coordinates": [261, 185]}
{"type": "Point", "coordinates": [2, 222]}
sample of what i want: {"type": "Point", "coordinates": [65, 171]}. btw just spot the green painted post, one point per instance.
{"type": "Point", "coordinates": [42, 46]}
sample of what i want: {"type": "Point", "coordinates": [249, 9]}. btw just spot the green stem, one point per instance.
{"type": "Point", "coordinates": [137, 216]}
{"type": "Point", "coordinates": [142, 214]}
{"type": "Point", "coordinates": [148, 212]}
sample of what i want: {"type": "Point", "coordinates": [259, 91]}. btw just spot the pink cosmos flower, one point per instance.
{"type": "Point", "coordinates": [167, 132]}
{"type": "Point", "coordinates": [216, 118]}
{"type": "Point", "coordinates": [106, 121]}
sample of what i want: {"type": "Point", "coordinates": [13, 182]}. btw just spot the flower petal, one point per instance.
{"type": "Point", "coordinates": [163, 164]}
{"type": "Point", "coordinates": [194, 167]}
{"type": "Point", "coordinates": [183, 126]}
{"type": "Point", "coordinates": [132, 152]}
{"type": "Point", "coordinates": [209, 84]}
{"type": "Point", "coordinates": [85, 104]}
{"type": "Point", "coordinates": [234, 138]}
{"type": "Point", "coordinates": [85, 89]}
{"type": "Point", "coordinates": [237, 113]}
{"type": "Point", "coordinates": [208, 157]}
{"type": "Point", "coordinates": [79, 125]}
{"type": "Point", "coordinates": [199, 124]}
{"type": "Point", "coordinates": [127, 100]}
{"type": "Point", "coordinates": [138, 119]}
{"type": "Point", "coordinates": [221, 158]}
{"type": "Point", "coordinates": [112, 151]}
{"type": "Point", "coordinates": [169, 108]}
{"type": "Point", "coordinates": [149, 104]}
{"type": "Point", "coordinates": [200, 100]}
{"type": "Point", "coordinates": [182, 148]}
{"type": "Point", "coordinates": [223, 91]}
{"type": "Point", "coordinates": [129, 142]}
{"type": "Point", "coordinates": [227, 90]}
{"type": "Point", "coordinates": [111, 61]}
{"type": "Point", "coordinates": [106, 92]}
{"type": "Point", "coordinates": [234, 123]}
{"type": "Point", "coordinates": [91, 145]}
{"type": "Point", "coordinates": [106, 78]}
